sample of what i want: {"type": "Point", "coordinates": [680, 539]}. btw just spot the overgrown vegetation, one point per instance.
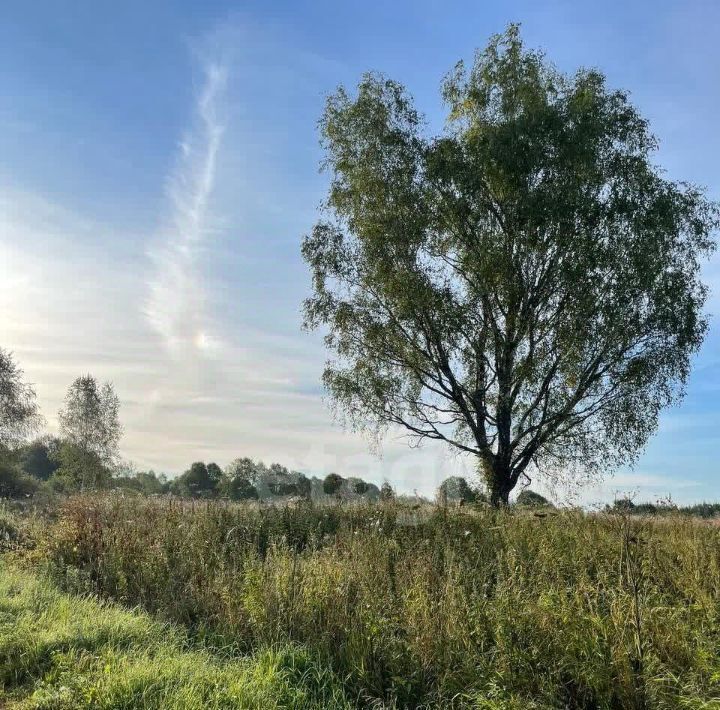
{"type": "Point", "coordinates": [524, 287]}
{"type": "Point", "coordinates": [65, 652]}
{"type": "Point", "coordinates": [423, 606]}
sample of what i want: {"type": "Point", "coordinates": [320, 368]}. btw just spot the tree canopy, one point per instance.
{"type": "Point", "coordinates": [198, 480]}
{"type": "Point", "coordinates": [91, 430]}
{"type": "Point", "coordinates": [332, 483]}
{"type": "Point", "coordinates": [39, 458]}
{"type": "Point", "coordinates": [19, 414]}
{"type": "Point", "coordinates": [90, 420]}
{"type": "Point", "coordinates": [525, 286]}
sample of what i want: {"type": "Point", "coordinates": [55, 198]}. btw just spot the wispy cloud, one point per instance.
{"type": "Point", "coordinates": [176, 303]}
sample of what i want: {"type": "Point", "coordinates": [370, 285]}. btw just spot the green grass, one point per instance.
{"type": "Point", "coordinates": [61, 651]}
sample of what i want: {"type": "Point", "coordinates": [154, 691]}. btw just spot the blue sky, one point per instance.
{"type": "Point", "coordinates": [159, 166]}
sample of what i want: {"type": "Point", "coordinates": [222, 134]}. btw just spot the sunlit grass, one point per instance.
{"type": "Point", "coordinates": [61, 651]}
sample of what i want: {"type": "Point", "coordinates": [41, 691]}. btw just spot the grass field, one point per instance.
{"type": "Point", "coordinates": [377, 606]}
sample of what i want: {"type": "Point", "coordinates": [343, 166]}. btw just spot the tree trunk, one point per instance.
{"type": "Point", "coordinates": [499, 497]}
{"type": "Point", "coordinates": [499, 483]}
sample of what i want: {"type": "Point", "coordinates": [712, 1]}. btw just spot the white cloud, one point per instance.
{"type": "Point", "coordinates": [176, 303]}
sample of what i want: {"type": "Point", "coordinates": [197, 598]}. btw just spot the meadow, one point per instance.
{"type": "Point", "coordinates": [386, 605]}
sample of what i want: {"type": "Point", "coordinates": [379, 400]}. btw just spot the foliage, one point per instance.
{"type": "Point", "coordinates": [303, 487]}
{"type": "Point", "coordinates": [622, 505]}
{"type": "Point", "coordinates": [415, 606]}
{"type": "Point", "coordinates": [14, 482]}
{"type": "Point", "coordinates": [387, 492]}
{"type": "Point", "coordinates": [245, 468]}
{"type": "Point", "coordinates": [79, 469]}
{"type": "Point", "coordinates": [199, 481]}
{"type": "Point", "coordinates": [456, 488]}
{"type": "Point", "coordinates": [240, 488]}
{"type": "Point", "coordinates": [39, 458]}
{"type": "Point", "coordinates": [243, 479]}
{"type": "Point", "coordinates": [19, 415]}
{"type": "Point", "coordinates": [532, 499]}
{"type": "Point", "coordinates": [238, 480]}
{"type": "Point", "coordinates": [664, 508]}
{"type": "Point", "coordinates": [701, 510]}
{"type": "Point", "coordinates": [146, 482]}
{"type": "Point", "coordinates": [360, 487]}
{"type": "Point", "coordinates": [332, 483]}
{"type": "Point", "coordinates": [89, 419]}
{"type": "Point", "coordinates": [215, 474]}
{"type": "Point", "coordinates": [526, 286]}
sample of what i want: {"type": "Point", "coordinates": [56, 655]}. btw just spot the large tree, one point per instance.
{"type": "Point", "coordinates": [89, 419]}
{"type": "Point", "coordinates": [19, 415]}
{"type": "Point", "coordinates": [524, 286]}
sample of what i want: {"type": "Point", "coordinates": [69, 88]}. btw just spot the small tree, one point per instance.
{"type": "Point", "coordinates": [79, 469]}
{"type": "Point", "coordinates": [304, 486]}
{"type": "Point", "coordinates": [387, 492]}
{"type": "Point", "coordinates": [238, 481]}
{"type": "Point", "coordinates": [245, 468]}
{"type": "Point", "coordinates": [332, 484]}
{"type": "Point", "coordinates": [216, 476]}
{"type": "Point", "coordinates": [240, 488]}
{"type": "Point", "coordinates": [456, 488]}
{"type": "Point", "coordinates": [19, 414]}
{"type": "Point", "coordinates": [90, 424]}
{"type": "Point", "coordinates": [524, 287]}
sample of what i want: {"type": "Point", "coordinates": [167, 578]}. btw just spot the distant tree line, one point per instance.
{"type": "Point", "coordinates": [85, 455]}
{"type": "Point", "coordinates": [627, 506]}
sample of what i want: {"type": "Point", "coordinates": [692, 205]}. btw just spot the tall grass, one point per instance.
{"type": "Point", "coordinates": [63, 652]}
{"type": "Point", "coordinates": [423, 606]}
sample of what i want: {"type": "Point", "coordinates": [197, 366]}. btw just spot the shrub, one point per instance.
{"type": "Point", "coordinates": [361, 487]}
{"type": "Point", "coordinates": [387, 492]}
{"type": "Point", "coordinates": [532, 500]}
{"type": "Point", "coordinates": [39, 458]}
{"type": "Point", "coordinates": [15, 483]}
